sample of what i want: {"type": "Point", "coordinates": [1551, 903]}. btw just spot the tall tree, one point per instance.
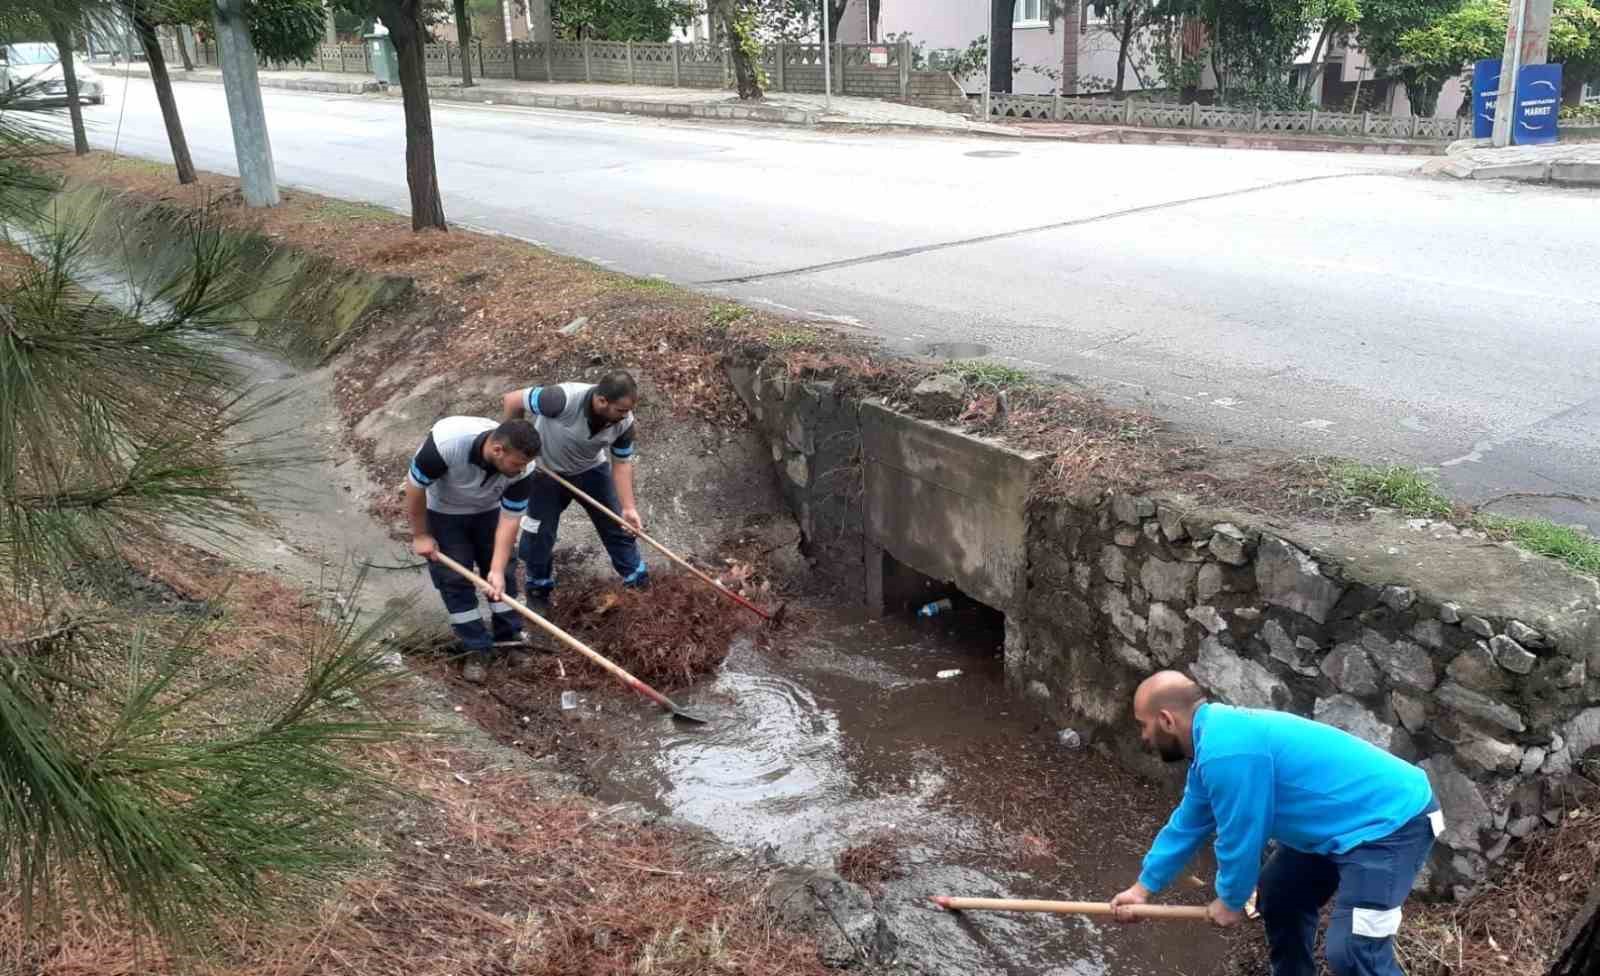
{"type": "Point", "coordinates": [738, 23]}
{"type": "Point", "coordinates": [1443, 49]}
{"type": "Point", "coordinates": [1001, 14]}
{"type": "Point", "coordinates": [407, 22]}
{"type": "Point", "coordinates": [464, 39]}
{"type": "Point", "coordinates": [623, 20]}
{"type": "Point", "coordinates": [141, 14]}
{"type": "Point", "coordinates": [61, 33]}
{"type": "Point", "coordinates": [1332, 20]}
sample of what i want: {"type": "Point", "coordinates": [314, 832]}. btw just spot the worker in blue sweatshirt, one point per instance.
{"type": "Point", "coordinates": [1352, 823]}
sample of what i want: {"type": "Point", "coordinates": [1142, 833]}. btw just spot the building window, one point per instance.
{"type": "Point", "coordinates": [1030, 13]}
{"type": "Point", "coordinates": [1592, 93]}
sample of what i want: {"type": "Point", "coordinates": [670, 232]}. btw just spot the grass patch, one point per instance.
{"type": "Point", "coordinates": [336, 211]}
{"type": "Point", "coordinates": [1394, 486]}
{"type": "Point", "coordinates": [724, 314]}
{"type": "Point", "coordinates": [1574, 547]}
{"type": "Point", "coordinates": [791, 338]}
{"type": "Point", "coordinates": [980, 372]}
{"type": "Point", "coordinates": [657, 286]}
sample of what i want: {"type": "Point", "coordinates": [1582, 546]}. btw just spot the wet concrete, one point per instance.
{"type": "Point", "coordinates": [850, 734]}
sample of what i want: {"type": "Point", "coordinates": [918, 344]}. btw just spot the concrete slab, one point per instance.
{"type": "Point", "coordinates": [947, 504]}
{"type": "Point", "coordinates": [1576, 173]}
{"type": "Point", "coordinates": [1535, 172]}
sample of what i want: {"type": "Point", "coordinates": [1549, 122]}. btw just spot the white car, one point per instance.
{"type": "Point", "coordinates": [36, 67]}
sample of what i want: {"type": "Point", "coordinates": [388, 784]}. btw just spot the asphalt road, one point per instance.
{"type": "Point", "coordinates": [1316, 302]}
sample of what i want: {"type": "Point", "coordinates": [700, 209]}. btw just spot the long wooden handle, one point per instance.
{"type": "Point", "coordinates": [1065, 907]}
{"type": "Point", "coordinates": [564, 637]}
{"type": "Point", "coordinates": [585, 496]}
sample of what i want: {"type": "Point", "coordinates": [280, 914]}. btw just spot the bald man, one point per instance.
{"type": "Point", "coordinates": [1352, 823]}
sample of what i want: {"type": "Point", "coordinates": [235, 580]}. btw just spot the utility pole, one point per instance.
{"type": "Point", "coordinates": [988, 57]}
{"type": "Point", "coordinates": [827, 63]}
{"type": "Point", "coordinates": [1527, 42]}
{"type": "Point", "coordinates": [251, 147]}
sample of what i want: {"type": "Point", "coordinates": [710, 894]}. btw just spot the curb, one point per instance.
{"type": "Point", "coordinates": [624, 106]}
{"type": "Point", "coordinates": [267, 81]}
{"type": "Point", "coordinates": [1136, 136]}
{"type": "Point", "coordinates": [1557, 172]}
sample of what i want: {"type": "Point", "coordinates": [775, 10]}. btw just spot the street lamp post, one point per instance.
{"type": "Point", "coordinates": [827, 64]}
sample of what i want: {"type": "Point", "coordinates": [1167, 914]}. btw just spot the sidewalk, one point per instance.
{"type": "Point", "coordinates": [1570, 164]}
{"type": "Point", "coordinates": [787, 108]}
{"type": "Point", "coordinates": [1217, 139]}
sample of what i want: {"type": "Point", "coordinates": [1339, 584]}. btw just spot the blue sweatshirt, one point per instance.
{"type": "Point", "coordinates": [1263, 775]}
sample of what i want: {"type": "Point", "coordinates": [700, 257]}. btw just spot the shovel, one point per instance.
{"type": "Point", "coordinates": [577, 645]}
{"type": "Point", "coordinates": [774, 620]}
{"type": "Point", "coordinates": [950, 904]}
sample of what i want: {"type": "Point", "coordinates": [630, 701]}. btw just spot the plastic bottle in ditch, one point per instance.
{"type": "Point", "coordinates": [935, 608]}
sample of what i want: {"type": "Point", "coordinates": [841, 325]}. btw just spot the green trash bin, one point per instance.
{"type": "Point", "coordinates": [380, 51]}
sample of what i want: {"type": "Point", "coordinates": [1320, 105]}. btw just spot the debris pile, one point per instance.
{"type": "Point", "coordinates": [667, 635]}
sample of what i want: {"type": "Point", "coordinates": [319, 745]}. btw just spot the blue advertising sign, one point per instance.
{"type": "Point", "coordinates": [1485, 92]}
{"type": "Point", "coordinates": [1538, 105]}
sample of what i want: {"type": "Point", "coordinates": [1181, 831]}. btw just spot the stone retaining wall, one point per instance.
{"type": "Point", "coordinates": [1476, 660]}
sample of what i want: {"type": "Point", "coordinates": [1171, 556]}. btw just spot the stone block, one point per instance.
{"type": "Point", "coordinates": [1450, 613]}
{"type": "Point", "coordinates": [1575, 173]}
{"type": "Point", "coordinates": [1082, 574]}
{"type": "Point", "coordinates": [1570, 674]}
{"type": "Point", "coordinates": [941, 393]}
{"type": "Point", "coordinates": [1152, 531]}
{"type": "Point", "coordinates": [1132, 657]}
{"type": "Point", "coordinates": [1478, 625]}
{"type": "Point", "coordinates": [1406, 664]}
{"type": "Point", "coordinates": [1466, 813]}
{"type": "Point", "coordinates": [1288, 651]}
{"type": "Point", "coordinates": [1132, 509]}
{"type": "Point", "coordinates": [1344, 712]}
{"type": "Point", "coordinates": [1168, 634]}
{"type": "Point", "coordinates": [1412, 712]}
{"type": "Point", "coordinates": [1230, 545]}
{"type": "Point", "coordinates": [1525, 635]}
{"type": "Point", "coordinates": [1512, 656]}
{"type": "Point", "coordinates": [1287, 577]}
{"type": "Point", "coordinates": [1168, 582]}
{"type": "Point", "coordinates": [1114, 564]}
{"type": "Point", "coordinates": [1482, 707]}
{"type": "Point", "coordinates": [1535, 172]}
{"type": "Point", "coordinates": [1114, 604]}
{"type": "Point", "coordinates": [1171, 522]}
{"type": "Point", "coordinates": [1398, 598]}
{"type": "Point", "coordinates": [1350, 670]}
{"type": "Point", "coordinates": [1238, 680]}
{"type": "Point", "coordinates": [1489, 755]}
{"type": "Point", "coordinates": [1209, 618]}
{"type": "Point", "coordinates": [1429, 633]}
{"type": "Point", "coordinates": [1532, 759]}
{"type": "Point", "coordinates": [1126, 537]}
{"type": "Point", "coordinates": [1475, 668]}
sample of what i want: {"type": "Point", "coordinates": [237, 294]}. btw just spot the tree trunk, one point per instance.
{"type": "Point", "coordinates": [183, 46]}
{"type": "Point", "coordinates": [740, 48]}
{"type": "Point", "coordinates": [1123, 43]}
{"type": "Point", "coordinates": [541, 29]}
{"type": "Point", "coordinates": [169, 104]}
{"type": "Point", "coordinates": [1572, 90]}
{"type": "Point", "coordinates": [1000, 13]}
{"type": "Point", "coordinates": [464, 39]}
{"type": "Point", "coordinates": [874, 13]}
{"type": "Point", "coordinates": [422, 176]}
{"type": "Point", "coordinates": [62, 34]}
{"type": "Point", "coordinates": [836, 10]}
{"type": "Point", "coordinates": [1317, 54]}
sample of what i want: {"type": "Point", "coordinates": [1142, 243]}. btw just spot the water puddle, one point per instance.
{"type": "Point", "coordinates": [850, 734]}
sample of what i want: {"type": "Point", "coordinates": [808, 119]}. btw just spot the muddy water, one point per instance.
{"type": "Point", "coordinates": [850, 734]}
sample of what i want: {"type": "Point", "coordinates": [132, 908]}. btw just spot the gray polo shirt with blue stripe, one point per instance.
{"type": "Point", "coordinates": [450, 466]}
{"type": "Point", "coordinates": [571, 438]}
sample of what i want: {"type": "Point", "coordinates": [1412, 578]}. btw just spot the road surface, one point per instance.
{"type": "Point", "coordinates": [1320, 303]}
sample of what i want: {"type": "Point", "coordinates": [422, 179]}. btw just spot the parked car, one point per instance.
{"type": "Point", "coordinates": [36, 68]}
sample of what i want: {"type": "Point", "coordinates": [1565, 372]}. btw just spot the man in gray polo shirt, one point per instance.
{"type": "Point", "coordinates": [466, 470]}
{"type": "Point", "coordinates": [586, 436]}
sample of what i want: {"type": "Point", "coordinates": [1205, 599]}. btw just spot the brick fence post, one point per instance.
{"type": "Point", "coordinates": [1366, 123]}
{"type": "Point", "coordinates": [905, 69]}
{"type": "Point", "coordinates": [514, 73]}
{"type": "Point", "coordinates": [630, 62]}
{"type": "Point", "coordinates": [480, 60]}
{"type": "Point", "coordinates": [1313, 126]}
{"type": "Point", "coordinates": [783, 83]}
{"type": "Point", "coordinates": [588, 74]}
{"type": "Point", "coordinates": [1255, 122]}
{"type": "Point", "coordinates": [1194, 114]}
{"type": "Point", "coordinates": [549, 59]}
{"type": "Point", "coordinates": [677, 73]}
{"type": "Point", "coordinates": [1127, 111]}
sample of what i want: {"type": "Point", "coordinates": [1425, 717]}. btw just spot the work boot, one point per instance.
{"type": "Point", "coordinates": [539, 602]}
{"type": "Point", "coordinates": [473, 672]}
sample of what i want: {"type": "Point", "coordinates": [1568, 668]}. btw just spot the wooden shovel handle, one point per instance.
{"type": "Point", "coordinates": [564, 637]}
{"type": "Point", "coordinates": [613, 516]}
{"type": "Point", "coordinates": [1065, 907]}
